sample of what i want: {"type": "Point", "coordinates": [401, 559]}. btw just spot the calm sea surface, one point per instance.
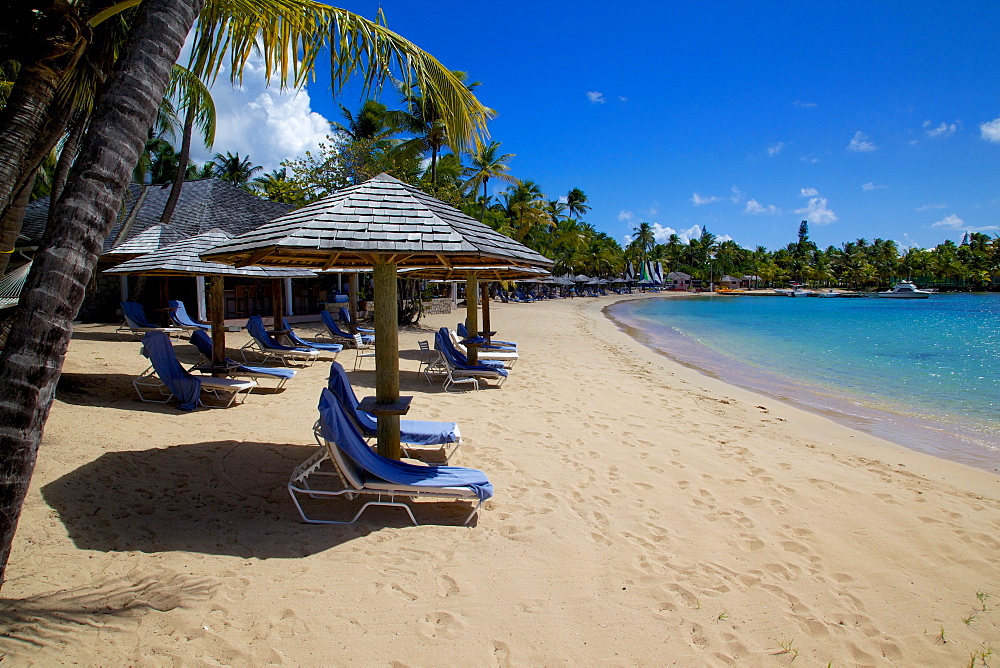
{"type": "Point", "coordinates": [923, 373]}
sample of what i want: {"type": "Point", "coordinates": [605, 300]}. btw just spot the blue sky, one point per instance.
{"type": "Point", "coordinates": [867, 119]}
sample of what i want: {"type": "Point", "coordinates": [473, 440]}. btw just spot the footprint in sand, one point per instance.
{"type": "Point", "coordinates": [442, 624]}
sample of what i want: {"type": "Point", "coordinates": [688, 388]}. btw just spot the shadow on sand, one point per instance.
{"type": "Point", "coordinates": [222, 497]}
{"type": "Point", "coordinates": [49, 619]}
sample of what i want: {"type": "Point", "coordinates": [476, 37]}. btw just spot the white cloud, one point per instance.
{"type": "Point", "coordinates": [872, 186]}
{"type": "Point", "coordinates": [860, 143]}
{"type": "Point", "coordinates": [736, 195]}
{"type": "Point", "coordinates": [953, 222]}
{"type": "Point", "coordinates": [942, 130]}
{"type": "Point", "coordinates": [661, 234]}
{"type": "Point", "coordinates": [991, 131]}
{"type": "Point", "coordinates": [698, 200]}
{"type": "Point", "coordinates": [595, 96]}
{"type": "Point", "coordinates": [931, 207]}
{"type": "Point", "coordinates": [775, 149]}
{"type": "Point", "coordinates": [622, 99]}
{"type": "Point", "coordinates": [753, 206]}
{"type": "Point", "coordinates": [625, 216]}
{"type": "Point", "coordinates": [804, 105]}
{"type": "Point", "coordinates": [906, 243]}
{"type": "Point", "coordinates": [817, 212]}
{"type": "Point", "coordinates": [808, 192]}
{"type": "Point", "coordinates": [263, 123]}
{"type": "Point", "coordinates": [809, 160]}
{"type": "Point", "coordinates": [950, 222]}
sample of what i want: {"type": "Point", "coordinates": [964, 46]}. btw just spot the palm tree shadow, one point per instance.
{"type": "Point", "coordinates": [51, 618]}
{"type": "Point", "coordinates": [221, 497]}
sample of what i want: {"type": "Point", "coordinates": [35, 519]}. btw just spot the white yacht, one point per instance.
{"type": "Point", "coordinates": [905, 290]}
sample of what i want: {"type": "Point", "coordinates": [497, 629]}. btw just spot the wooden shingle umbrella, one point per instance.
{"type": "Point", "coordinates": [385, 224]}
{"type": "Point", "coordinates": [182, 259]}
{"type": "Point", "coordinates": [472, 275]}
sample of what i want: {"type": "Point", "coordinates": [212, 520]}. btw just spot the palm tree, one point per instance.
{"type": "Point", "coordinates": [234, 169]}
{"type": "Point", "coordinates": [576, 203]}
{"type": "Point", "coordinates": [125, 109]}
{"type": "Point", "coordinates": [423, 118]}
{"type": "Point", "coordinates": [488, 163]}
{"type": "Point", "coordinates": [644, 239]}
{"type": "Point", "coordinates": [193, 96]}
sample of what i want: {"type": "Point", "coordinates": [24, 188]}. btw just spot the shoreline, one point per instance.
{"type": "Point", "coordinates": [908, 431]}
{"type": "Point", "coordinates": [643, 513]}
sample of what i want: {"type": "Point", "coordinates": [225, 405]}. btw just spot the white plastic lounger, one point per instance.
{"type": "Point", "coordinates": [331, 473]}
{"type": "Point", "coordinates": [166, 379]}
{"type": "Point", "coordinates": [508, 357]}
{"type": "Point", "coordinates": [264, 346]}
{"type": "Point", "coordinates": [135, 323]}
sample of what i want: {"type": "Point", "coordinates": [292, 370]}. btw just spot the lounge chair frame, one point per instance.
{"type": "Point", "coordinates": [265, 353]}
{"type": "Point", "coordinates": [330, 464]}
{"type": "Point", "coordinates": [128, 328]}
{"type": "Point", "coordinates": [225, 390]}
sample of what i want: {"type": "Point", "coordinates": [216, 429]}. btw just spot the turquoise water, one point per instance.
{"type": "Point", "coordinates": [922, 373]}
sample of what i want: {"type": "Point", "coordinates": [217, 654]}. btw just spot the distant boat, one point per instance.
{"type": "Point", "coordinates": [800, 292]}
{"type": "Point", "coordinates": [905, 290]}
{"type": "Point", "coordinates": [828, 293]}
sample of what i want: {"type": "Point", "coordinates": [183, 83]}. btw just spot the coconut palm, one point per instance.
{"type": "Point", "coordinates": [488, 163]}
{"type": "Point", "coordinates": [234, 169]}
{"type": "Point", "coordinates": [576, 203]}
{"type": "Point", "coordinates": [289, 33]}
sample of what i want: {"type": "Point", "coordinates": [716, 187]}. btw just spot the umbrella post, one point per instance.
{"type": "Point", "coordinates": [352, 303]}
{"type": "Point", "coordinates": [386, 356]}
{"type": "Point", "coordinates": [486, 310]}
{"type": "Point", "coordinates": [277, 301]}
{"type": "Point", "coordinates": [472, 314]}
{"type": "Point", "coordinates": [217, 305]}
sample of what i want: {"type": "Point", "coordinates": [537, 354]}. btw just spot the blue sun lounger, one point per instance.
{"type": "Point", "coordinates": [167, 378]}
{"type": "Point", "coordinates": [136, 323]}
{"type": "Point", "coordinates": [264, 345]}
{"type": "Point", "coordinates": [458, 369]}
{"type": "Point", "coordinates": [345, 317]}
{"type": "Point", "coordinates": [413, 432]}
{"type": "Point", "coordinates": [346, 461]}
{"type": "Point", "coordinates": [204, 345]}
{"type": "Point", "coordinates": [334, 332]}
{"type": "Point", "coordinates": [322, 347]}
{"type": "Point", "coordinates": [500, 345]}
{"type": "Point", "coordinates": [181, 318]}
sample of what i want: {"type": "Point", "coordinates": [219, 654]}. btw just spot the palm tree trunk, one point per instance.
{"type": "Point", "coordinates": [66, 159]}
{"type": "Point", "coordinates": [32, 359]}
{"type": "Point", "coordinates": [182, 160]}
{"type": "Point", "coordinates": [27, 109]}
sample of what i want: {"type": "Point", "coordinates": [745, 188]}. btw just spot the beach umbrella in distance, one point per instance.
{"type": "Point", "coordinates": [484, 275]}
{"type": "Point", "coordinates": [182, 259]}
{"type": "Point", "coordinates": [385, 224]}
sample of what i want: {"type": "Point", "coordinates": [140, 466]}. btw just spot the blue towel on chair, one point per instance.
{"type": "Point", "coordinates": [417, 432]}
{"type": "Point", "coordinates": [331, 325]}
{"type": "Point", "coordinates": [204, 345]}
{"type": "Point", "coordinates": [187, 388]}
{"type": "Point", "coordinates": [328, 347]}
{"type": "Point", "coordinates": [256, 329]}
{"type": "Point", "coordinates": [336, 427]}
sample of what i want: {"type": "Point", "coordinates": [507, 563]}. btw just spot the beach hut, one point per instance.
{"type": "Point", "coordinates": [678, 280]}
{"type": "Point", "coordinates": [728, 282]}
{"type": "Point", "coordinates": [182, 259]}
{"type": "Point", "coordinates": [385, 224]}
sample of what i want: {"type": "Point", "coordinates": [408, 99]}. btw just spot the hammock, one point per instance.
{"type": "Point", "coordinates": [11, 284]}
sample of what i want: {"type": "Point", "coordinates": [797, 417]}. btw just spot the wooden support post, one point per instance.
{"type": "Point", "coordinates": [386, 356]}
{"type": "Point", "coordinates": [216, 311]}
{"type": "Point", "coordinates": [277, 301]}
{"type": "Point", "coordinates": [486, 310]}
{"type": "Point", "coordinates": [164, 298]}
{"type": "Point", "coordinates": [352, 303]}
{"type": "Point", "coordinates": [472, 315]}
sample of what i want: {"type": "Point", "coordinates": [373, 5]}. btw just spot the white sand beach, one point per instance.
{"type": "Point", "coordinates": [644, 514]}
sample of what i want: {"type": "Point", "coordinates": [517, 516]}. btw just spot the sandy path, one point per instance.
{"type": "Point", "coordinates": [644, 514]}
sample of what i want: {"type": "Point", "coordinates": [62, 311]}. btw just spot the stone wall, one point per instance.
{"type": "Point", "coordinates": [438, 305]}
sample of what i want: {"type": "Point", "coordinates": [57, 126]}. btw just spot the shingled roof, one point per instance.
{"type": "Point", "coordinates": [182, 259]}
{"type": "Point", "coordinates": [382, 216]}
{"type": "Point", "coordinates": [203, 205]}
